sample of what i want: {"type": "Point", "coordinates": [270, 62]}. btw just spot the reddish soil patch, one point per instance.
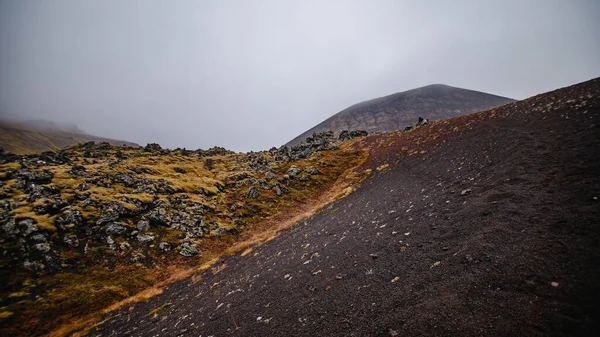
{"type": "Point", "coordinates": [491, 231]}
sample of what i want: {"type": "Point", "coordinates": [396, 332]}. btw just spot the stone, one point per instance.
{"type": "Point", "coordinates": [124, 246]}
{"type": "Point", "coordinates": [10, 228]}
{"type": "Point", "coordinates": [347, 135]}
{"type": "Point", "coordinates": [26, 226]}
{"type": "Point", "coordinates": [465, 192]}
{"type": "Point", "coordinates": [313, 171]}
{"type": "Point", "coordinates": [188, 249]}
{"type": "Point", "coordinates": [156, 216]}
{"type": "Point", "coordinates": [42, 247]}
{"type": "Point", "coordinates": [71, 240]}
{"type": "Point", "coordinates": [37, 177]}
{"type": "Point", "coordinates": [277, 190]}
{"type": "Point", "coordinates": [422, 121]}
{"type": "Point", "coordinates": [125, 179]}
{"type": "Point", "coordinates": [253, 192]}
{"type": "Point", "coordinates": [115, 228]}
{"type": "Point", "coordinates": [220, 231]}
{"type": "Point", "coordinates": [270, 175]}
{"type": "Point", "coordinates": [33, 266]}
{"type": "Point", "coordinates": [145, 238]}
{"type": "Point", "coordinates": [292, 172]}
{"type": "Point", "coordinates": [107, 216]}
{"type": "Point", "coordinates": [143, 225]}
{"type": "Point", "coordinates": [68, 217]}
{"type": "Point", "coordinates": [164, 246]}
{"type": "Point", "coordinates": [152, 147]}
{"type": "Point", "coordinates": [39, 237]}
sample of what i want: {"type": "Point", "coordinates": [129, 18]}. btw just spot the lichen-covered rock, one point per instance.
{"type": "Point", "coordinates": [51, 206]}
{"type": "Point", "coordinates": [145, 238]}
{"type": "Point", "coordinates": [111, 211]}
{"type": "Point", "coordinates": [36, 177]}
{"type": "Point", "coordinates": [312, 170]}
{"type": "Point", "coordinates": [292, 172]}
{"type": "Point", "coordinates": [188, 249]}
{"type": "Point", "coordinates": [26, 226]}
{"type": "Point", "coordinates": [68, 219]}
{"type": "Point", "coordinates": [115, 228]}
{"type": "Point", "coordinates": [277, 190]}
{"type": "Point", "coordinates": [39, 237]}
{"type": "Point", "coordinates": [219, 231]}
{"type": "Point", "coordinates": [422, 121]}
{"type": "Point", "coordinates": [252, 192]}
{"type": "Point", "coordinates": [10, 228]}
{"type": "Point", "coordinates": [347, 135]}
{"type": "Point", "coordinates": [152, 147]}
{"type": "Point", "coordinates": [42, 247]}
{"type": "Point", "coordinates": [143, 225]}
{"type": "Point", "coordinates": [33, 266]}
{"type": "Point", "coordinates": [71, 240]}
{"type": "Point", "coordinates": [125, 179]}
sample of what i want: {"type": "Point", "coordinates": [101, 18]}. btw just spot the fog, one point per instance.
{"type": "Point", "coordinates": [248, 75]}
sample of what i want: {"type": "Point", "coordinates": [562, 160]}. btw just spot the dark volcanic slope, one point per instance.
{"type": "Point", "coordinates": [402, 109]}
{"type": "Point", "coordinates": [39, 136]}
{"type": "Point", "coordinates": [409, 251]}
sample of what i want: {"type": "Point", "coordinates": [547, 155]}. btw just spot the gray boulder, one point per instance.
{"type": "Point", "coordinates": [188, 249]}
{"type": "Point", "coordinates": [115, 228]}
{"type": "Point", "coordinates": [164, 246]}
{"type": "Point", "coordinates": [33, 266]}
{"type": "Point", "coordinates": [293, 171]}
{"type": "Point", "coordinates": [26, 226]}
{"type": "Point", "coordinates": [42, 247]}
{"type": "Point", "coordinates": [39, 237]}
{"type": "Point", "coordinates": [71, 240]}
{"type": "Point", "coordinates": [145, 238]}
{"type": "Point", "coordinates": [253, 193]}
{"type": "Point", "coordinates": [10, 228]}
{"type": "Point", "coordinates": [143, 225]}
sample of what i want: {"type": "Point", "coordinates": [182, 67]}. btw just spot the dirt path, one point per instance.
{"type": "Point", "coordinates": [493, 231]}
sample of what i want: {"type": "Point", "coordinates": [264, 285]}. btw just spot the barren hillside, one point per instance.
{"type": "Point", "coordinates": [402, 109]}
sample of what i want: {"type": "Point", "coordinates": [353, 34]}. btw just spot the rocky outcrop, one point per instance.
{"type": "Point", "coordinates": [96, 200]}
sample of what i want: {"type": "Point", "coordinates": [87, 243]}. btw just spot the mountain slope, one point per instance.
{"type": "Point", "coordinates": [402, 109]}
{"type": "Point", "coordinates": [484, 224]}
{"type": "Point", "coordinates": [38, 136]}
{"type": "Point", "coordinates": [89, 225]}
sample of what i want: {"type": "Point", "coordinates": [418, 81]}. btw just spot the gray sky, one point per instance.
{"type": "Point", "coordinates": [249, 75]}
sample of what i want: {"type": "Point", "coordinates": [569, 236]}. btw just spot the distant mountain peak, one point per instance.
{"type": "Point", "coordinates": [396, 111]}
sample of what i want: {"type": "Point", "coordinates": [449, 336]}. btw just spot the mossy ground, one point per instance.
{"type": "Point", "coordinates": [92, 281]}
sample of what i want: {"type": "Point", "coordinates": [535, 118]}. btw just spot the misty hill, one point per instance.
{"type": "Point", "coordinates": [402, 109]}
{"type": "Point", "coordinates": [40, 135]}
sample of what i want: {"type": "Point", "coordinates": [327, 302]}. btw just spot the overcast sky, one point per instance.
{"type": "Point", "coordinates": [249, 75]}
